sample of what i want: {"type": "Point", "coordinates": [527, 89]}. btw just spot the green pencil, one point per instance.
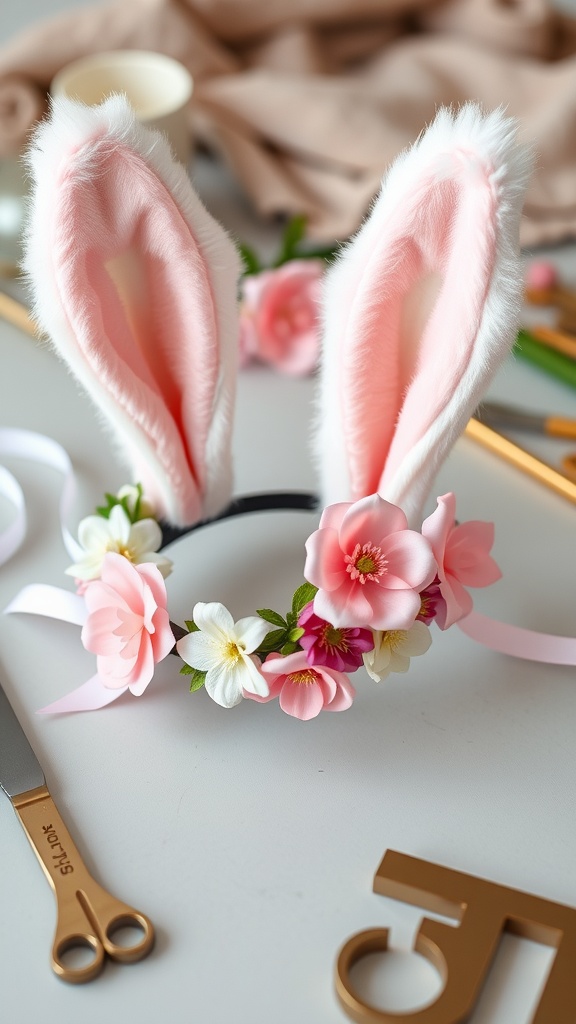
{"type": "Point", "coordinates": [554, 363]}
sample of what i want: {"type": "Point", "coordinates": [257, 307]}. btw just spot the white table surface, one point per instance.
{"type": "Point", "coordinates": [250, 838]}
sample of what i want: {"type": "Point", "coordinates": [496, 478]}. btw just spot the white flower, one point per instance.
{"type": "Point", "coordinates": [138, 542]}
{"type": "Point", "coordinates": [223, 649]}
{"type": "Point", "coordinates": [393, 649]}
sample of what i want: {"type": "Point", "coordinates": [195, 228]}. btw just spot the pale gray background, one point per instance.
{"type": "Point", "coordinates": [249, 838]}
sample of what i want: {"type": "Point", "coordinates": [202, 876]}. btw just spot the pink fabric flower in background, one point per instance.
{"type": "Point", "coordinates": [304, 691]}
{"type": "Point", "coordinates": [368, 566]}
{"type": "Point", "coordinates": [279, 316]}
{"type": "Point", "coordinates": [463, 556]}
{"type": "Point", "coordinates": [128, 627]}
{"type": "Point", "coordinates": [324, 644]}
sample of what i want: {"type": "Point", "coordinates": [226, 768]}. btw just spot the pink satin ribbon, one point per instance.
{"type": "Point", "coordinates": [518, 642]}
{"type": "Point", "coordinates": [88, 697]}
{"type": "Point", "coordinates": [56, 603]}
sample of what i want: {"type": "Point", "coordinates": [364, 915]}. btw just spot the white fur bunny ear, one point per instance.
{"type": "Point", "coordinates": [420, 309]}
{"type": "Point", "coordinates": [135, 284]}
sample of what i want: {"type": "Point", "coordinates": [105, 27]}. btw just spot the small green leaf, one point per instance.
{"type": "Point", "coordinates": [289, 648]}
{"type": "Point", "coordinates": [191, 626]}
{"type": "Point", "coordinates": [295, 634]}
{"type": "Point", "coordinates": [124, 503]}
{"type": "Point", "coordinates": [197, 680]}
{"type": "Point", "coordinates": [291, 620]}
{"type": "Point", "coordinates": [105, 510]}
{"type": "Point", "coordinates": [293, 234]}
{"type": "Point", "coordinates": [134, 514]}
{"type": "Point", "coordinates": [186, 670]}
{"type": "Point", "coordinates": [249, 258]}
{"type": "Point", "coordinates": [306, 593]}
{"type": "Point", "coordinates": [271, 616]}
{"type": "Point", "coordinates": [272, 641]}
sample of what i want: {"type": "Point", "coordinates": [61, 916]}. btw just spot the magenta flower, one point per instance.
{"type": "Point", "coordinates": [368, 566]}
{"type": "Point", "coordinates": [431, 602]}
{"type": "Point", "coordinates": [463, 556]}
{"type": "Point", "coordinates": [324, 644]}
{"type": "Point", "coordinates": [304, 691]}
{"type": "Point", "coordinates": [128, 627]}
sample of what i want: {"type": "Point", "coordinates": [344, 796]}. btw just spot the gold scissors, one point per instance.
{"type": "Point", "coordinates": [89, 918]}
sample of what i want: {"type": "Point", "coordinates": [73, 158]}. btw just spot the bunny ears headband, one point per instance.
{"type": "Point", "coordinates": [136, 286]}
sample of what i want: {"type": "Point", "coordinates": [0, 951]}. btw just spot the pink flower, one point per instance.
{"type": "Point", "coordinates": [304, 691]}
{"type": "Point", "coordinates": [463, 556]}
{"type": "Point", "coordinates": [341, 649]}
{"type": "Point", "coordinates": [279, 316]}
{"type": "Point", "coordinates": [368, 566]}
{"type": "Point", "coordinates": [128, 627]}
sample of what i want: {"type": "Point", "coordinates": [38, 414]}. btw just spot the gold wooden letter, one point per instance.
{"type": "Point", "coordinates": [462, 955]}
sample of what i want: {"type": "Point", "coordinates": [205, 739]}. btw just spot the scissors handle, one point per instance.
{"type": "Point", "coordinates": [89, 918]}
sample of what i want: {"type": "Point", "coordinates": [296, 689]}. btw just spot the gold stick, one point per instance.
{"type": "Point", "coordinates": [559, 340]}
{"type": "Point", "coordinates": [521, 459]}
{"type": "Point", "coordinates": [17, 314]}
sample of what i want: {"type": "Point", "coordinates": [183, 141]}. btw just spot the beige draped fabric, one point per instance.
{"type": "Point", "coordinates": [309, 100]}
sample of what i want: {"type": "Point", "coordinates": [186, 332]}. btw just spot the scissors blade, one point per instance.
{"type": "Point", "coordinates": [496, 414]}
{"type": "Point", "coordinates": [19, 767]}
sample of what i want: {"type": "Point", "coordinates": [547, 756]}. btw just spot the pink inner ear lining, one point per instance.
{"type": "Point", "coordinates": [142, 318]}
{"type": "Point", "coordinates": [129, 207]}
{"type": "Point", "coordinates": [447, 231]}
{"type": "Point", "coordinates": [417, 306]}
{"type": "Point", "coordinates": [373, 365]}
{"type": "Point", "coordinates": [463, 251]}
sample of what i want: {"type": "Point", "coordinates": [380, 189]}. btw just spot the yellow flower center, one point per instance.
{"type": "Point", "coordinates": [333, 638]}
{"type": "Point", "coordinates": [394, 638]}
{"type": "Point", "coordinates": [231, 652]}
{"type": "Point", "coordinates": [304, 678]}
{"type": "Point", "coordinates": [122, 550]}
{"type": "Point", "coordinates": [366, 562]}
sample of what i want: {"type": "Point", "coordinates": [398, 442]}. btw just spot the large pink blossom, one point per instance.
{"type": "Point", "coordinates": [304, 691]}
{"type": "Point", "coordinates": [368, 566]}
{"type": "Point", "coordinates": [279, 316]}
{"type": "Point", "coordinates": [463, 556]}
{"type": "Point", "coordinates": [128, 627]}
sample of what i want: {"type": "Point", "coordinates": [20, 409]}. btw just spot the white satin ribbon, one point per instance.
{"type": "Point", "coordinates": [51, 602]}
{"type": "Point", "coordinates": [26, 444]}
{"type": "Point", "coordinates": [12, 537]}
{"type": "Point", "coordinates": [40, 598]}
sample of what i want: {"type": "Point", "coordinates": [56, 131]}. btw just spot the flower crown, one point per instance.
{"type": "Point", "coordinates": [372, 588]}
{"type": "Point", "coordinates": [136, 285]}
